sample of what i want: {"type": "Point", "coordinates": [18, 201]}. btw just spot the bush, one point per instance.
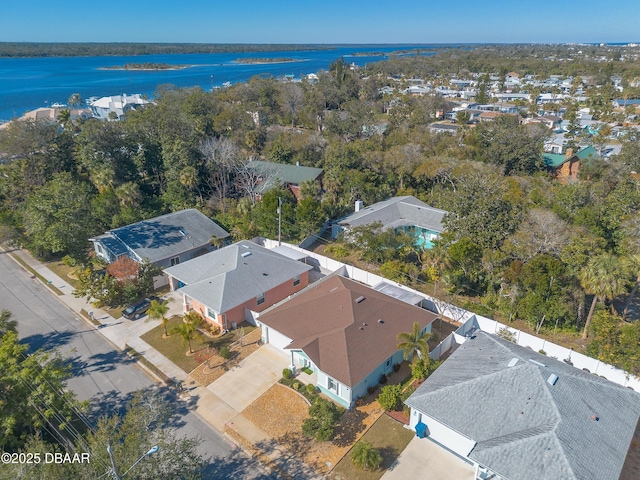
{"type": "Point", "coordinates": [420, 368]}
{"type": "Point", "coordinates": [365, 456]}
{"type": "Point", "coordinates": [215, 330]}
{"type": "Point", "coordinates": [383, 379]}
{"type": "Point", "coordinates": [225, 353]}
{"type": "Point", "coordinates": [296, 385]}
{"type": "Point", "coordinates": [389, 397]}
{"type": "Point", "coordinates": [323, 416]}
{"type": "Point", "coordinates": [396, 367]}
{"type": "Point", "coordinates": [286, 374]}
{"type": "Point", "coordinates": [371, 389]}
{"type": "Point", "coordinates": [311, 389]}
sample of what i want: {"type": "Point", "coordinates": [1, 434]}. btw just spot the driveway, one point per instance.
{"type": "Point", "coordinates": [244, 383]}
{"type": "Point", "coordinates": [426, 460]}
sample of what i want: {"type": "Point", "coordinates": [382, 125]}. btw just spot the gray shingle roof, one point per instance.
{"type": "Point", "coordinates": [398, 212]}
{"type": "Point", "coordinates": [169, 235]}
{"type": "Point", "coordinates": [282, 173]}
{"type": "Point", "coordinates": [525, 427]}
{"type": "Point", "coordinates": [233, 275]}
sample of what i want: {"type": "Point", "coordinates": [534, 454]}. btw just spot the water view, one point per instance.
{"type": "Point", "coordinates": [29, 83]}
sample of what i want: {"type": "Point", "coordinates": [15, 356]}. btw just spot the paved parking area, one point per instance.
{"type": "Point", "coordinates": [426, 460]}
{"type": "Point", "coordinates": [241, 385]}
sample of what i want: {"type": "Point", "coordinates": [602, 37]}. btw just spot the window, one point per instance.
{"type": "Point", "coordinates": [212, 314]}
{"type": "Point", "coordinates": [99, 248]}
{"type": "Point", "coordinates": [296, 280]}
{"type": "Point", "coordinates": [332, 385]}
{"type": "Point", "coordinates": [260, 299]}
{"type": "Point", "coordinates": [175, 261]}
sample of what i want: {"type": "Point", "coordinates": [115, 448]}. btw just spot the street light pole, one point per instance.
{"type": "Point", "coordinates": [114, 466]}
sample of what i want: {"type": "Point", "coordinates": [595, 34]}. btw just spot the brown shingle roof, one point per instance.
{"type": "Point", "coordinates": [336, 322]}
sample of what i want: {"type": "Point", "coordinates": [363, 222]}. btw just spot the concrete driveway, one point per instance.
{"type": "Point", "coordinates": [426, 460]}
{"type": "Point", "coordinates": [241, 385]}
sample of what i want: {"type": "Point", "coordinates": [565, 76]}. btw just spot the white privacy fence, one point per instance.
{"type": "Point", "coordinates": [471, 321]}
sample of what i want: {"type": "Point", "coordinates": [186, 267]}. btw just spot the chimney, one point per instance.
{"type": "Point", "coordinates": [568, 153]}
{"type": "Point", "coordinates": [359, 205]}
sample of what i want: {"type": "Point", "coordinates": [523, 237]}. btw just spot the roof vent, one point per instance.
{"type": "Point", "coordinates": [361, 328]}
{"type": "Point", "coordinates": [265, 274]}
{"type": "Point", "coordinates": [360, 299]}
{"type": "Point", "coordinates": [333, 289]}
{"type": "Point", "coordinates": [245, 254]}
{"type": "Point", "coordinates": [595, 418]}
{"type": "Point", "coordinates": [364, 325]}
{"type": "Point", "coordinates": [513, 362]}
{"type": "Point", "coordinates": [553, 378]}
{"type": "Point", "coordinates": [183, 232]}
{"type": "Point", "coordinates": [537, 363]}
{"type": "Point", "coordinates": [380, 321]}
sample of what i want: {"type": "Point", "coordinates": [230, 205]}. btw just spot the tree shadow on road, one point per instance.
{"type": "Point", "coordinates": [48, 341]}
{"type": "Point", "coordinates": [100, 362]}
{"type": "Point", "coordinates": [237, 465]}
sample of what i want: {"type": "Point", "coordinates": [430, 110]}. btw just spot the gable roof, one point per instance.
{"type": "Point", "coordinates": [398, 212]}
{"type": "Point", "coordinates": [166, 236]}
{"type": "Point", "coordinates": [525, 427]}
{"type": "Point", "coordinates": [346, 328]}
{"type": "Point", "coordinates": [282, 174]}
{"type": "Point", "coordinates": [233, 275]}
{"type": "Point", "coordinates": [555, 160]}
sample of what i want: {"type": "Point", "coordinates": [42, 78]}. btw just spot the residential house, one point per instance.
{"type": "Point", "coordinates": [406, 213]}
{"type": "Point", "coordinates": [51, 114]}
{"type": "Point", "coordinates": [345, 332]}
{"type": "Point", "coordinates": [566, 166]}
{"type": "Point", "coordinates": [552, 122]}
{"type": "Point", "coordinates": [163, 241]}
{"type": "Point", "coordinates": [116, 106]}
{"type": "Point", "coordinates": [227, 285]}
{"type": "Point", "coordinates": [444, 127]}
{"type": "Point", "coordinates": [518, 415]}
{"type": "Point", "coordinates": [273, 175]}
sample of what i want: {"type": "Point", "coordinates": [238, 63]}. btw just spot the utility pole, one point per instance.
{"type": "Point", "coordinates": [279, 221]}
{"type": "Point", "coordinates": [116, 475]}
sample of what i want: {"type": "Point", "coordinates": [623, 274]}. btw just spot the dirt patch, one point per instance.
{"type": "Point", "coordinates": [213, 366]}
{"type": "Point", "coordinates": [280, 411]}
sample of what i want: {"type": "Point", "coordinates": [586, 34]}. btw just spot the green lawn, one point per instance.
{"type": "Point", "coordinates": [389, 437]}
{"type": "Point", "coordinates": [62, 270]}
{"type": "Point", "coordinates": [175, 349]}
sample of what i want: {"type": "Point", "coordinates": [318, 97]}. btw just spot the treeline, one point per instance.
{"type": "Point", "coordinates": [35, 49]}
{"type": "Point", "coordinates": [520, 245]}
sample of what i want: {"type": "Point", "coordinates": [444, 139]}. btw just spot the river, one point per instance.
{"type": "Point", "coordinates": [29, 83]}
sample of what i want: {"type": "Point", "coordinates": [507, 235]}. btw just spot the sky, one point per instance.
{"type": "Point", "coordinates": [321, 21]}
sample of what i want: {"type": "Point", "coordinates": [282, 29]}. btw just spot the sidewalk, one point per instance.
{"type": "Point", "coordinates": [122, 332]}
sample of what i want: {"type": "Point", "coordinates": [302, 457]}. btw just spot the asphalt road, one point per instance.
{"type": "Point", "coordinates": [102, 374]}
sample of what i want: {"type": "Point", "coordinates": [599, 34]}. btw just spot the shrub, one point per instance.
{"type": "Point", "coordinates": [286, 374]}
{"type": "Point", "coordinates": [365, 456]}
{"type": "Point", "coordinates": [542, 352]}
{"type": "Point", "coordinates": [215, 330]}
{"type": "Point", "coordinates": [225, 353]}
{"type": "Point", "coordinates": [383, 379]}
{"type": "Point", "coordinates": [389, 397]}
{"type": "Point", "coordinates": [371, 389]}
{"type": "Point", "coordinates": [296, 385]}
{"type": "Point", "coordinates": [311, 389]}
{"type": "Point", "coordinates": [323, 416]}
{"type": "Point", "coordinates": [396, 367]}
{"type": "Point", "coordinates": [69, 261]}
{"type": "Point", "coordinates": [420, 368]}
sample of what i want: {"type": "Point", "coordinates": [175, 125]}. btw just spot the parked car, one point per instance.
{"type": "Point", "coordinates": [137, 309]}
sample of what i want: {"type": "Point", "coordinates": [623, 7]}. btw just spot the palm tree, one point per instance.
{"type": "Point", "coordinates": [414, 342]}
{"type": "Point", "coordinates": [6, 324]}
{"type": "Point", "coordinates": [158, 311]}
{"type": "Point", "coordinates": [365, 456]}
{"type": "Point", "coordinates": [186, 331]}
{"type": "Point", "coordinates": [633, 263]}
{"type": "Point", "coordinates": [603, 277]}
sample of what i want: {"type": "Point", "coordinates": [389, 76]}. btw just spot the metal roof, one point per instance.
{"type": "Point", "coordinates": [169, 235]}
{"type": "Point", "coordinates": [524, 426]}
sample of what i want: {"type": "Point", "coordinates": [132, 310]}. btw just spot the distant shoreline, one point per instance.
{"type": "Point", "coordinates": [265, 61]}
{"type": "Point", "coordinates": [146, 67]}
